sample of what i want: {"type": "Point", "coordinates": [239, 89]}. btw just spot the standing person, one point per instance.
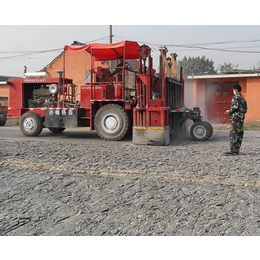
{"type": "Point", "coordinates": [237, 113]}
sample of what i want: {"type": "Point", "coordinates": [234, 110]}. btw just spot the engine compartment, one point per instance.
{"type": "Point", "coordinates": [44, 95]}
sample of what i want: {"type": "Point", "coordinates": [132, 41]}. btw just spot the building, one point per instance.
{"type": "Point", "coordinates": [4, 87]}
{"type": "Point", "coordinates": [188, 92]}
{"type": "Point", "coordinates": [213, 94]}
{"type": "Point", "coordinates": [77, 65]}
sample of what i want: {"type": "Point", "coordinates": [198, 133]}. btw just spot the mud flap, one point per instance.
{"type": "Point", "coordinates": [61, 118]}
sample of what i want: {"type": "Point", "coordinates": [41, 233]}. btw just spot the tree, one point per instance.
{"type": "Point", "coordinates": [227, 66]}
{"type": "Point", "coordinates": [257, 66]}
{"type": "Point", "coordinates": [197, 66]}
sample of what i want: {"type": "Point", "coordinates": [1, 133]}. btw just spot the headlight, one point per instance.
{"type": "Point", "coordinates": [53, 89]}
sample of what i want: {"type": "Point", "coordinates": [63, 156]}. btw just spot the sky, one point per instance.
{"type": "Point", "coordinates": [21, 39]}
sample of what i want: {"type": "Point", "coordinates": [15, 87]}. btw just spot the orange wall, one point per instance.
{"type": "Point", "coordinates": [253, 97]}
{"type": "Point", "coordinates": [199, 94]}
{"type": "Point", "coordinates": [4, 91]}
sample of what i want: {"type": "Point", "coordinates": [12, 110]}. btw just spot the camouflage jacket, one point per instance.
{"type": "Point", "coordinates": [238, 108]}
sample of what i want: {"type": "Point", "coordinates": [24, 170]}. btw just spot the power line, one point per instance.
{"type": "Point", "coordinates": [195, 46]}
{"type": "Point", "coordinates": [32, 53]}
{"type": "Point", "coordinates": [213, 49]}
{"type": "Point", "coordinates": [31, 58]}
{"type": "Point", "coordinates": [233, 47]}
{"type": "Point", "coordinates": [225, 42]}
{"type": "Point", "coordinates": [45, 51]}
{"type": "Point", "coordinates": [15, 51]}
{"type": "Point", "coordinates": [226, 50]}
{"type": "Point", "coordinates": [50, 49]}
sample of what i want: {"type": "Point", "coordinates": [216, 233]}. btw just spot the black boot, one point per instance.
{"type": "Point", "coordinates": [231, 153]}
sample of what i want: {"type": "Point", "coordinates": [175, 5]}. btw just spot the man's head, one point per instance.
{"type": "Point", "coordinates": [121, 58]}
{"type": "Point", "coordinates": [237, 89]}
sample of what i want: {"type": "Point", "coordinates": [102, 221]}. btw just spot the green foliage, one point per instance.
{"type": "Point", "coordinates": [197, 66]}
{"type": "Point", "coordinates": [227, 66]}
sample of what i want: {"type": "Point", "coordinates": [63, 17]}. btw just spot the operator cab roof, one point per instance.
{"type": "Point", "coordinates": [101, 52]}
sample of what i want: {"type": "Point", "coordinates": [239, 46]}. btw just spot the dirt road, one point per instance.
{"type": "Point", "coordinates": [49, 187]}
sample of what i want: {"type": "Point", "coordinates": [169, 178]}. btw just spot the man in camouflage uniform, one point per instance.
{"type": "Point", "coordinates": [237, 113]}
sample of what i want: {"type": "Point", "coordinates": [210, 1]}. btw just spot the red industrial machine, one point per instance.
{"type": "Point", "coordinates": [115, 100]}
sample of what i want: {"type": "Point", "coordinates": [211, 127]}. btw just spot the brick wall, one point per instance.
{"type": "Point", "coordinates": [76, 65]}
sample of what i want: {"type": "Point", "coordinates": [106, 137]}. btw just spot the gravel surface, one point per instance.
{"type": "Point", "coordinates": [187, 188]}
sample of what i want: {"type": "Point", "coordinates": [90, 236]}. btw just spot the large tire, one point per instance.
{"type": "Point", "coordinates": [210, 127]}
{"type": "Point", "coordinates": [2, 122]}
{"type": "Point", "coordinates": [31, 124]}
{"type": "Point", "coordinates": [201, 131]}
{"type": "Point", "coordinates": [56, 130]}
{"type": "Point", "coordinates": [112, 122]}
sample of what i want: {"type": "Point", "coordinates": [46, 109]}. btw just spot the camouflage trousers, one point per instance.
{"type": "Point", "coordinates": [236, 135]}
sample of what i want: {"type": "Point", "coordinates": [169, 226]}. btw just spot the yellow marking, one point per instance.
{"type": "Point", "coordinates": [85, 118]}
{"type": "Point", "coordinates": [156, 128]}
{"type": "Point", "coordinates": [212, 180]}
{"type": "Point", "coordinates": [87, 128]}
{"type": "Point", "coordinates": [140, 127]}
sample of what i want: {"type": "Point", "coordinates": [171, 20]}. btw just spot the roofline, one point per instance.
{"type": "Point", "coordinates": [224, 76]}
{"type": "Point", "coordinates": [50, 63]}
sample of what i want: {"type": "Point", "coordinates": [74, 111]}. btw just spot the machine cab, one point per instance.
{"type": "Point", "coordinates": [116, 80]}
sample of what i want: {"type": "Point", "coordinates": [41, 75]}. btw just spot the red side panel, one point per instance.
{"type": "Point", "coordinates": [16, 97]}
{"type": "Point", "coordinates": [85, 97]}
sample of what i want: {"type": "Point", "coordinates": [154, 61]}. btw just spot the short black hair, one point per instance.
{"type": "Point", "coordinates": [237, 87]}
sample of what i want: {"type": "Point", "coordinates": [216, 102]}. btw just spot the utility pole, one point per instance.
{"type": "Point", "coordinates": [110, 40]}
{"type": "Point", "coordinates": [110, 33]}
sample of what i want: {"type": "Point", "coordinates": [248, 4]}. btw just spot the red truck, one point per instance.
{"type": "Point", "coordinates": [115, 101]}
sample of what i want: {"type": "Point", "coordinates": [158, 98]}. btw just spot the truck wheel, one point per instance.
{"type": "Point", "coordinates": [210, 127]}
{"type": "Point", "coordinates": [2, 123]}
{"type": "Point", "coordinates": [31, 124]}
{"type": "Point", "coordinates": [56, 130]}
{"type": "Point", "coordinates": [112, 122]}
{"type": "Point", "coordinates": [200, 131]}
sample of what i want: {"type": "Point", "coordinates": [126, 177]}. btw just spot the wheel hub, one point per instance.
{"type": "Point", "coordinates": [200, 132]}
{"type": "Point", "coordinates": [29, 124]}
{"type": "Point", "coordinates": [111, 123]}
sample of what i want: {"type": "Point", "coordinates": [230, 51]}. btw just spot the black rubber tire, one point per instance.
{"type": "Point", "coordinates": [123, 117]}
{"type": "Point", "coordinates": [204, 126]}
{"type": "Point", "coordinates": [2, 123]}
{"type": "Point", "coordinates": [56, 130]}
{"type": "Point", "coordinates": [210, 127]}
{"type": "Point", "coordinates": [130, 125]}
{"type": "Point", "coordinates": [37, 121]}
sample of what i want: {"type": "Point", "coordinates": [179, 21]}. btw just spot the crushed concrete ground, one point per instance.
{"type": "Point", "coordinates": [187, 188]}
